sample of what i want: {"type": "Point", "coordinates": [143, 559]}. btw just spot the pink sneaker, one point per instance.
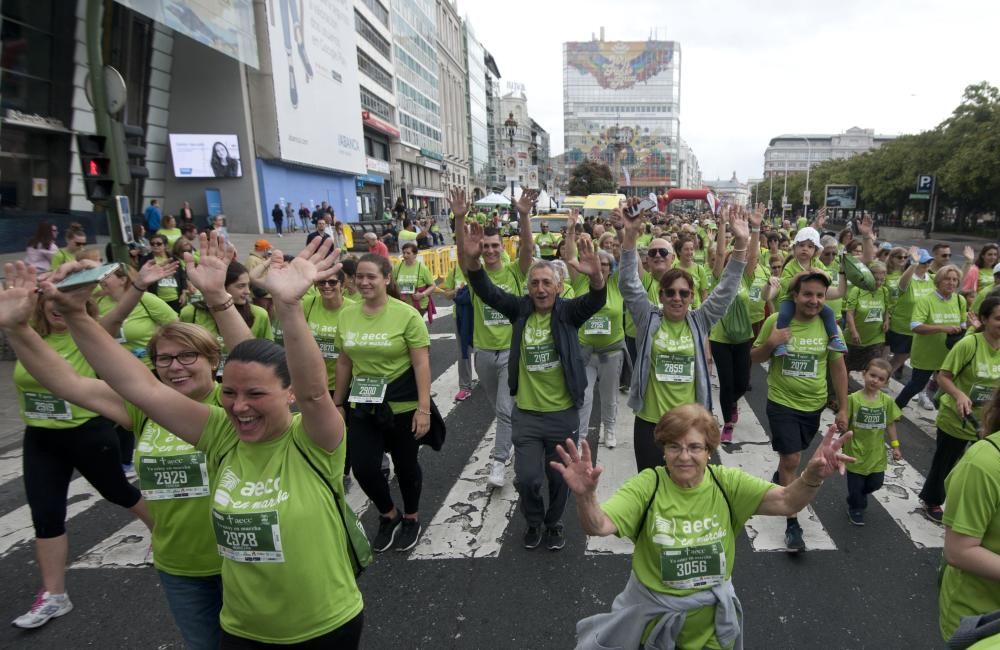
{"type": "Point", "coordinates": [462, 395]}
{"type": "Point", "coordinates": [734, 414]}
{"type": "Point", "coordinates": [727, 433]}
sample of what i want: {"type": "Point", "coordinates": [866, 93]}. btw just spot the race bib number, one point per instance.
{"type": "Point", "coordinates": [874, 315]}
{"type": "Point", "coordinates": [693, 567]}
{"type": "Point", "coordinates": [539, 358]}
{"type": "Point", "coordinates": [597, 325]}
{"type": "Point", "coordinates": [44, 406]}
{"type": "Point", "coordinates": [798, 364]}
{"type": "Point", "coordinates": [173, 477]}
{"type": "Point", "coordinates": [248, 537]}
{"type": "Point", "coordinates": [328, 348]}
{"type": "Point", "coordinates": [493, 318]}
{"type": "Point", "coordinates": [754, 294]}
{"type": "Point", "coordinates": [676, 368]}
{"type": "Point", "coordinates": [168, 283]}
{"type": "Point", "coordinates": [407, 287]}
{"type": "Point", "coordinates": [980, 394]}
{"type": "Point", "coordinates": [368, 390]}
{"type": "Point", "coordinates": [870, 417]}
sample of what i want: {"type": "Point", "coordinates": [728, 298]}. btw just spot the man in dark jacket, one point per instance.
{"type": "Point", "coordinates": [546, 375]}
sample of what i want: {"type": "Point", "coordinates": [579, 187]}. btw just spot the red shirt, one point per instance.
{"type": "Point", "coordinates": [379, 248]}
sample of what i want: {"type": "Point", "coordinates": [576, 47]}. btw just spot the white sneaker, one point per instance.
{"type": "Point", "coordinates": [496, 478]}
{"type": "Point", "coordinates": [925, 401]}
{"type": "Point", "coordinates": [45, 607]}
{"type": "Point", "coordinates": [610, 441]}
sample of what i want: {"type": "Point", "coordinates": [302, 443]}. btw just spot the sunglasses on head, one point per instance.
{"type": "Point", "coordinates": [661, 252]}
{"type": "Point", "coordinates": [683, 294]}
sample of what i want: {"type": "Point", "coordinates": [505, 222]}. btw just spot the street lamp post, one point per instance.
{"type": "Point", "coordinates": [510, 125]}
{"type": "Point", "coordinates": [806, 195]}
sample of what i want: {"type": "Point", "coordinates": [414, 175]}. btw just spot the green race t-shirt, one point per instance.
{"type": "Point", "coordinates": [869, 309]}
{"type": "Point", "coordinates": [61, 257]}
{"type": "Point", "coordinates": [39, 407]}
{"type": "Point", "coordinates": [980, 296]}
{"type": "Point", "coordinates": [718, 332]}
{"type": "Point", "coordinates": [286, 569]}
{"type": "Point", "coordinates": [491, 330]}
{"type": "Point", "coordinates": [323, 323]}
{"type": "Point", "coordinates": [798, 379]}
{"type": "Point", "coordinates": [975, 369]}
{"type": "Point", "coordinates": [260, 329]}
{"type": "Point", "coordinates": [141, 323]}
{"type": "Point", "coordinates": [171, 234]}
{"type": "Point", "coordinates": [379, 345]}
{"type": "Point", "coordinates": [167, 288]}
{"type": "Point", "coordinates": [688, 542]}
{"type": "Point", "coordinates": [173, 477]}
{"type": "Point", "coordinates": [892, 284]}
{"type": "Point", "coordinates": [869, 419]}
{"type": "Point", "coordinates": [755, 294]}
{"type": "Point", "coordinates": [652, 287]}
{"type": "Point", "coordinates": [547, 243]}
{"type": "Point", "coordinates": [671, 370]}
{"type": "Point", "coordinates": [902, 310]}
{"type": "Point", "coordinates": [606, 327]}
{"type": "Point", "coordinates": [701, 282]}
{"type": "Point", "coordinates": [541, 385]}
{"type": "Point", "coordinates": [405, 236]}
{"type": "Point", "coordinates": [409, 278]}
{"type": "Point", "coordinates": [973, 510]}
{"type": "Point", "coordinates": [788, 274]}
{"type": "Point", "coordinates": [455, 278]}
{"type": "Point", "coordinates": [929, 350]}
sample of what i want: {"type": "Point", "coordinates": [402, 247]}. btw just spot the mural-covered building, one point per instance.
{"type": "Point", "coordinates": [621, 106]}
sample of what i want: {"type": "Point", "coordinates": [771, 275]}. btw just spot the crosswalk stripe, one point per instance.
{"type": "Point", "coordinates": [472, 520]}
{"type": "Point", "coordinates": [127, 548]}
{"type": "Point", "coordinates": [11, 465]}
{"type": "Point", "coordinates": [619, 466]}
{"type": "Point", "coordinates": [16, 528]}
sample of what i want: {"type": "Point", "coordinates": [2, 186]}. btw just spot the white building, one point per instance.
{"type": "Point", "coordinates": [688, 169]}
{"type": "Point", "coordinates": [794, 152]}
{"type": "Point", "coordinates": [732, 191]}
{"type": "Point", "coordinates": [453, 82]}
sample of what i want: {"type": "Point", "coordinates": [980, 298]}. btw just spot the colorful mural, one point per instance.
{"type": "Point", "coordinates": [644, 152]}
{"type": "Point", "coordinates": [616, 65]}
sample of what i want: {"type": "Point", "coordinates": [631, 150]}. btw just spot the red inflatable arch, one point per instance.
{"type": "Point", "coordinates": [694, 195]}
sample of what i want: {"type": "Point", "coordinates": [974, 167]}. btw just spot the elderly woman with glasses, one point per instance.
{"type": "Point", "coordinates": [684, 525]}
{"type": "Point", "coordinates": [670, 362]}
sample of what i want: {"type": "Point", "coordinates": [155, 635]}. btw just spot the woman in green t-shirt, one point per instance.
{"type": "Point", "coordinates": [172, 289]}
{"type": "Point", "coordinates": [684, 517]}
{"type": "Point", "coordinates": [134, 328]}
{"type": "Point", "coordinates": [414, 279]}
{"type": "Point", "coordinates": [867, 315]}
{"type": "Point", "coordinates": [169, 230]}
{"type": "Point", "coordinates": [913, 283]}
{"type": "Point", "coordinates": [276, 478]}
{"type": "Point", "coordinates": [60, 437]}
{"type": "Point", "coordinates": [968, 378]}
{"type": "Point", "coordinates": [383, 372]}
{"type": "Point", "coordinates": [980, 274]}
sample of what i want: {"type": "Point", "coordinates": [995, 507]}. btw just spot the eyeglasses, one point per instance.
{"type": "Point", "coordinates": [185, 358]}
{"type": "Point", "coordinates": [156, 243]}
{"type": "Point", "coordinates": [683, 294]}
{"type": "Point", "coordinates": [662, 252]}
{"type": "Point", "coordinates": [332, 282]}
{"type": "Point", "coordinates": [696, 449]}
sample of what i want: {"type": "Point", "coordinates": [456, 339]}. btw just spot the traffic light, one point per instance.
{"type": "Point", "coordinates": [136, 150]}
{"type": "Point", "coordinates": [95, 165]}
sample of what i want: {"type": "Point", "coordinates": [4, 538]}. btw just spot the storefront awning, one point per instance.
{"type": "Point", "coordinates": [430, 194]}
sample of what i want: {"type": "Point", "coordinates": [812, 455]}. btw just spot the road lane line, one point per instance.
{"type": "Point", "coordinates": [619, 466]}
{"type": "Point", "coordinates": [16, 528]}
{"type": "Point", "coordinates": [11, 465]}
{"type": "Point", "coordinates": [128, 548]}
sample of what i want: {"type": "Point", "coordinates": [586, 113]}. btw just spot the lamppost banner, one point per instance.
{"type": "Point", "coordinates": [844, 197]}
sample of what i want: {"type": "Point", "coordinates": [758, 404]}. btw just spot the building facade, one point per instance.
{"type": "Point", "coordinates": [453, 78]}
{"type": "Point", "coordinates": [518, 145]}
{"type": "Point", "coordinates": [731, 191]}
{"type": "Point", "coordinates": [478, 145]}
{"type": "Point", "coordinates": [688, 170]}
{"type": "Point", "coordinates": [540, 155]}
{"type": "Point", "coordinates": [794, 152]}
{"type": "Point", "coordinates": [419, 153]}
{"type": "Point", "coordinates": [622, 107]}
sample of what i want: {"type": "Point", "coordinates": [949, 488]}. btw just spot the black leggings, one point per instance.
{"type": "Point", "coordinates": [732, 361]}
{"type": "Point", "coordinates": [368, 441]}
{"type": "Point", "coordinates": [51, 455]}
{"type": "Point", "coordinates": [345, 637]}
{"type": "Point", "coordinates": [647, 452]}
{"type": "Point", "coordinates": [948, 450]}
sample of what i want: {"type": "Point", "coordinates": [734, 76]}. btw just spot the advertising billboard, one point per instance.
{"type": "Point", "coordinates": [315, 74]}
{"type": "Point", "coordinates": [844, 197]}
{"type": "Point", "coordinates": [204, 155]}
{"type": "Point", "coordinates": [620, 65]}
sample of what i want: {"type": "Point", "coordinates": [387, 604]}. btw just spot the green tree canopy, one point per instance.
{"type": "Point", "coordinates": [591, 177]}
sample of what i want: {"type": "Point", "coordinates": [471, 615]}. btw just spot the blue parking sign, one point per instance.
{"type": "Point", "coordinates": [925, 184]}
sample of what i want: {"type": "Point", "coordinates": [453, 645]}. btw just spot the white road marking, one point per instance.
{"type": "Point", "coordinates": [899, 497]}
{"type": "Point", "coordinates": [126, 549]}
{"type": "Point", "coordinates": [619, 466]}
{"type": "Point", "coordinates": [474, 516]}
{"type": "Point", "coordinates": [11, 465]}
{"type": "Point", "coordinates": [443, 336]}
{"type": "Point", "coordinates": [16, 528]}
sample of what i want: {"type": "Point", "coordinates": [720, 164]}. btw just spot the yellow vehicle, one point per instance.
{"type": "Point", "coordinates": [601, 204]}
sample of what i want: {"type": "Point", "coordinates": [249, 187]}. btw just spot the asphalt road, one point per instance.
{"type": "Point", "coordinates": [875, 588]}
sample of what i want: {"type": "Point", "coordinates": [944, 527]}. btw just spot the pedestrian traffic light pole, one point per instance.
{"type": "Point", "coordinates": [102, 118]}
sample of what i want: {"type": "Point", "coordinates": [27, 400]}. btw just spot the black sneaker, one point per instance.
{"type": "Point", "coordinates": [857, 517]}
{"type": "Point", "coordinates": [409, 533]}
{"type": "Point", "coordinates": [554, 538]}
{"type": "Point", "coordinates": [387, 529]}
{"type": "Point", "coordinates": [533, 537]}
{"type": "Point", "coordinates": [793, 539]}
{"type": "Point", "coordinates": [934, 513]}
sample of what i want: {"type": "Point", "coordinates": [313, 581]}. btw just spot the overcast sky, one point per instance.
{"type": "Point", "coordinates": [754, 70]}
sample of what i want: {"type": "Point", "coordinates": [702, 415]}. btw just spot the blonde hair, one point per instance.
{"type": "Point", "coordinates": [681, 420]}
{"type": "Point", "coordinates": [190, 335]}
{"type": "Point", "coordinates": [945, 270]}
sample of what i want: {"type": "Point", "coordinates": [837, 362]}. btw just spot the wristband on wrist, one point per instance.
{"type": "Point", "coordinates": [894, 444]}
{"type": "Point", "coordinates": [815, 486]}
{"type": "Point", "coordinates": [421, 411]}
{"type": "Point", "coordinates": [138, 288]}
{"type": "Point", "coordinates": [223, 307]}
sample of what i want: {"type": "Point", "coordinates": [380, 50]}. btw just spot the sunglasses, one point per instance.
{"type": "Point", "coordinates": [327, 283]}
{"type": "Point", "coordinates": [156, 243]}
{"type": "Point", "coordinates": [683, 294]}
{"type": "Point", "coordinates": [944, 255]}
{"type": "Point", "coordinates": [661, 252]}
{"type": "Point", "coordinates": [898, 257]}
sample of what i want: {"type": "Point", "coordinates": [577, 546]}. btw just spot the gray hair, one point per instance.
{"type": "Point", "coordinates": [545, 264]}
{"type": "Point", "coordinates": [606, 256]}
{"type": "Point", "coordinates": [561, 269]}
{"type": "Point", "coordinates": [828, 240]}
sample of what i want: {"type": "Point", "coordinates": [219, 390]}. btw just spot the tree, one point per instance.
{"type": "Point", "coordinates": [591, 177]}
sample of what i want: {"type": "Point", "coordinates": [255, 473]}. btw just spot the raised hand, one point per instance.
{"type": "Point", "coordinates": [472, 243]}
{"type": "Point", "coordinates": [820, 219]}
{"type": "Point", "coordinates": [969, 254]}
{"type": "Point", "coordinates": [587, 261]}
{"type": "Point", "coordinates": [17, 301]}
{"type": "Point", "coordinates": [576, 467]}
{"type": "Point", "coordinates": [866, 227]}
{"type": "Point", "coordinates": [526, 202]}
{"type": "Point", "coordinates": [457, 202]}
{"type": "Point", "coordinates": [151, 273]}
{"type": "Point", "coordinates": [915, 254]}
{"type": "Point", "coordinates": [757, 216]}
{"type": "Point", "coordinates": [209, 275]}
{"type": "Point", "coordinates": [828, 457]}
{"type": "Point", "coordinates": [288, 282]}
{"type": "Point", "coordinates": [739, 227]}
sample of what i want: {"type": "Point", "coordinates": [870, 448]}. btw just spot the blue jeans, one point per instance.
{"type": "Point", "coordinates": [918, 380]}
{"type": "Point", "coordinates": [195, 603]}
{"type": "Point", "coordinates": [859, 486]}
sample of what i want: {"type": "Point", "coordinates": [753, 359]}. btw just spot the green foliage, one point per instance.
{"type": "Point", "coordinates": [963, 152]}
{"type": "Point", "coordinates": [591, 177]}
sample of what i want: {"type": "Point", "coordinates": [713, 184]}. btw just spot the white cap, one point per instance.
{"type": "Point", "coordinates": [808, 234]}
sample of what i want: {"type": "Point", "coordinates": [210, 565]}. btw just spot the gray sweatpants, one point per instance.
{"type": "Point", "coordinates": [534, 447]}
{"type": "Point", "coordinates": [604, 369]}
{"type": "Point", "coordinates": [464, 365]}
{"type": "Point", "coordinates": [491, 368]}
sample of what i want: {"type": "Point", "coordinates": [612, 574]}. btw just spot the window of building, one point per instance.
{"type": "Point", "coordinates": [379, 10]}
{"type": "Point", "coordinates": [375, 105]}
{"type": "Point", "coordinates": [370, 34]}
{"type": "Point", "coordinates": [373, 70]}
